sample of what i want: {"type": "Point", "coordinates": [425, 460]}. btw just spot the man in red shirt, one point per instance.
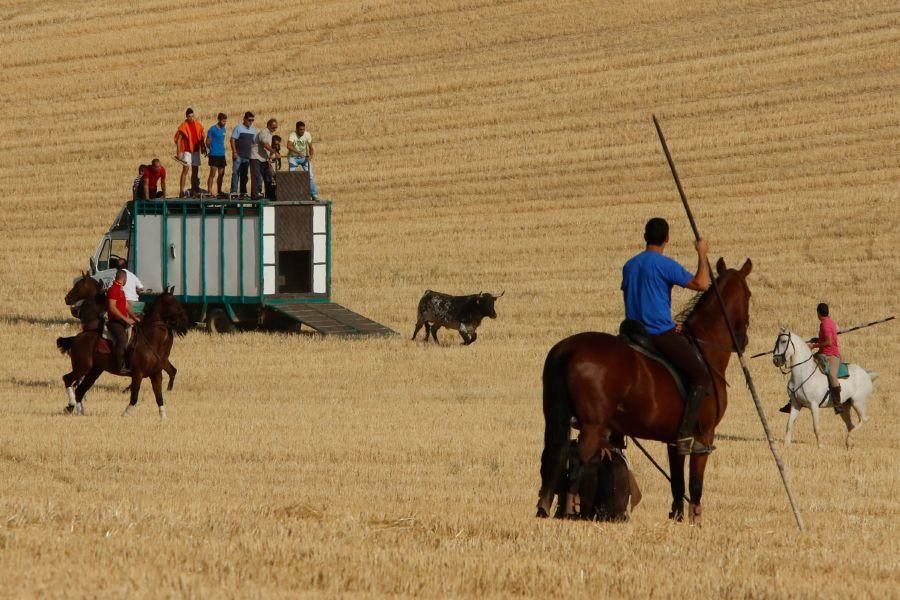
{"type": "Point", "coordinates": [153, 174]}
{"type": "Point", "coordinates": [190, 141]}
{"type": "Point", "coordinates": [120, 317]}
{"type": "Point", "coordinates": [827, 345]}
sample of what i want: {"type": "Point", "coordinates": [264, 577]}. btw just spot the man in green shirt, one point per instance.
{"type": "Point", "coordinates": [300, 153]}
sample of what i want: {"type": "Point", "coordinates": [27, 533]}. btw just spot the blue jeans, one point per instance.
{"type": "Point", "coordinates": [239, 174]}
{"type": "Point", "coordinates": [303, 163]}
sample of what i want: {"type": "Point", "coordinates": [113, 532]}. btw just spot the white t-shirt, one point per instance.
{"type": "Point", "coordinates": [132, 283]}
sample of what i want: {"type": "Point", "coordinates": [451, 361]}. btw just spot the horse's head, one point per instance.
{"type": "Point", "coordinates": [84, 287]}
{"type": "Point", "coordinates": [732, 284]}
{"type": "Point", "coordinates": [168, 309]}
{"type": "Point", "coordinates": [783, 351]}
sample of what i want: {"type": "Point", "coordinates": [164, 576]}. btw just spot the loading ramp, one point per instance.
{"type": "Point", "coordinates": [329, 318]}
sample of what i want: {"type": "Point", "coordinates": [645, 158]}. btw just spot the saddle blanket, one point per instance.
{"type": "Point", "coordinates": [843, 370]}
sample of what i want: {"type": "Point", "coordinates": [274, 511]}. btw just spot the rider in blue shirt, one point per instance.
{"type": "Point", "coordinates": [647, 281]}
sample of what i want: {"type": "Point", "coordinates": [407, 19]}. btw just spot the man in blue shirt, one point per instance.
{"type": "Point", "coordinates": [215, 141]}
{"type": "Point", "coordinates": [647, 281]}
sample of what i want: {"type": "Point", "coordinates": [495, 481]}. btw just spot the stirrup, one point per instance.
{"type": "Point", "coordinates": [687, 446]}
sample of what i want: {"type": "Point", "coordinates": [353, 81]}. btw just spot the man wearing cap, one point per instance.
{"type": "Point", "coordinates": [190, 141]}
{"type": "Point", "coordinates": [243, 144]}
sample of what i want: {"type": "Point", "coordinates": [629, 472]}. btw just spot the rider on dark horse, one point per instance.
{"type": "Point", "coordinates": [121, 316]}
{"type": "Point", "coordinates": [647, 281]}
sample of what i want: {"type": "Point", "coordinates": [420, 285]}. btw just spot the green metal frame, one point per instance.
{"type": "Point", "coordinates": [166, 208]}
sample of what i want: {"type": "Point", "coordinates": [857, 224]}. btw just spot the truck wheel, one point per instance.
{"type": "Point", "coordinates": [218, 322]}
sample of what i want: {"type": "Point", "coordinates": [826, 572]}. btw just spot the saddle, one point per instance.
{"type": "Point", "coordinates": [843, 370]}
{"type": "Point", "coordinates": [634, 334]}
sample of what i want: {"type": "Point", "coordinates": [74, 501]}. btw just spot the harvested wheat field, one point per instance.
{"type": "Point", "coordinates": [466, 146]}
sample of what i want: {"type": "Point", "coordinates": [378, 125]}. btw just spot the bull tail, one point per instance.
{"type": "Point", "coordinates": [65, 344]}
{"type": "Point", "coordinates": [557, 419]}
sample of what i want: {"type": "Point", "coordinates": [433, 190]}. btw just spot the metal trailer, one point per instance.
{"type": "Point", "coordinates": [234, 263]}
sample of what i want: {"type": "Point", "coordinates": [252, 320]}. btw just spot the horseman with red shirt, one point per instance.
{"type": "Point", "coordinates": [827, 345]}
{"type": "Point", "coordinates": [120, 317]}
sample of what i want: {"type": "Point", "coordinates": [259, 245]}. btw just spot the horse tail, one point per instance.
{"type": "Point", "coordinates": [65, 344]}
{"type": "Point", "coordinates": [873, 375]}
{"type": "Point", "coordinates": [557, 423]}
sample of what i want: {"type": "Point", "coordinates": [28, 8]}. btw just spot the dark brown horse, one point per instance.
{"type": "Point", "coordinates": [88, 302]}
{"type": "Point", "coordinates": [163, 319]}
{"type": "Point", "coordinates": [614, 391]}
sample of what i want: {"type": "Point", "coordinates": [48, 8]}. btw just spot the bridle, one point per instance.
{"type": "Point", "coordinates": [783, 356]}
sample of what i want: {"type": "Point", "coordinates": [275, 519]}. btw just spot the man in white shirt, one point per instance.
{"type": "Point", "coordinates": [133, 286]}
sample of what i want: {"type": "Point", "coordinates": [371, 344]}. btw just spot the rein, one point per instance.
{"type": "Point", "coordinates": [790, 369]}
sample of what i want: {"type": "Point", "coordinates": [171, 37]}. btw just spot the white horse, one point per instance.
{"type": "Point", "coordinates": [808, 386]}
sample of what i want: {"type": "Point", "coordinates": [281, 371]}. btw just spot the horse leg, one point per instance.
{"type": "Point", "coordinates": [83, 387]}
{"type": "Point", "coordinates": [172, 372]}
{"type": "Point", "coordinates": [69, 381]}
{"type": "Point", "coordinates": [815, 420]}
{"type": "Point", "coordinates": [795, 412]}
{"type": "Point", "coordinates": [156, 382]}
{"type": "Point", "coordinates": [135, 392]}
{"type": "Point", "coordinates": [697, 467]}
{"type": "Point", "coordinates": [676, 471]}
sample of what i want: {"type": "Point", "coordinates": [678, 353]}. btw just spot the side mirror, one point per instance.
{"type": "Point", "coordinates": [93, 266]}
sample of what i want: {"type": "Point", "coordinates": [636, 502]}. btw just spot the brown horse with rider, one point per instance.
{"type": "Point", "coordinates": [164, 319]}
{"type": "Point", "coordinates": [614, 390]}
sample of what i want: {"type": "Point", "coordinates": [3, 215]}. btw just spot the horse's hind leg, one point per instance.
{"type": "Point", "coordinates": [676, 471]}
{"type": "Point", "coordinates": [156, 382]}
{"type": "Point", "coordinates": [814, 408]}
{"type": "Point", "coordinates": [172, 372]}
{"type": "Point", "coordinates": [698, 467]}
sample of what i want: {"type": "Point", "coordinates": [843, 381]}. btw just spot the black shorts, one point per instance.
{"type": "Point", "coordinates": [217, 162]}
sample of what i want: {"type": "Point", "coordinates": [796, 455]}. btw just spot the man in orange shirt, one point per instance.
{"type": "Point", "coordinates": [190, 141]}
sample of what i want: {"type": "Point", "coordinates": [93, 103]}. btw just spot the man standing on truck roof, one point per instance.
{"type": "Point", "coordinates": [153, 174]}
{"type": "Point", "coordinates": [133, 286]}
{"type": "Point", "coordinates": [300, 153]}
{"type": "Point", "coordinates": [215, 141]}
{"type": "Point", "coordinates": [243, 141]}
{"type": "Point", "coordinates": [266, 154]}
{"type": "Point", "coordinates": [190, 141]}
{"type": "Point", "coordinates": [120, 317]}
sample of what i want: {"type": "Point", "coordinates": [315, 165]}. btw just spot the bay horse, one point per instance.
{"type": "Point", "coordinates": [88, 296]}
{"type": "Point", "coordinates": [614, 390]}
{"type": "Point", "coordinates": [163, 320]}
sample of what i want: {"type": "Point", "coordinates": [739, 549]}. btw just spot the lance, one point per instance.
{"type": "Point", "coordinates": [735, 346]}
{"type": "Point", "coordinates": [885, 320]}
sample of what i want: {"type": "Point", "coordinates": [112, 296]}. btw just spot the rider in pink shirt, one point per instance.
{"type": "Point", "coordinates": [827, 344]}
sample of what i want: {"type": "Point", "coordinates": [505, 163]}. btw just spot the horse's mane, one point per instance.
{"type": "Point", "coordinates": [696, 301]}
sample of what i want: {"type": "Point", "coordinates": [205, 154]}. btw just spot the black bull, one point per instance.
{"type": "Point", "coordinates": [462, 313]}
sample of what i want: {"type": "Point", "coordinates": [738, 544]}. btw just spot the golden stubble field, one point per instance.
{"type": "Point", "coordinates": [466, 146]}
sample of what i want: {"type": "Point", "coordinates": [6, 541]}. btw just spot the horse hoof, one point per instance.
{"type": "Point", "coordinates": [128, 410]}
{"type": "Point", "coordinates": [695, 515]}
{"type": "Point", "coordinates": [541, 513]}
{"type": "Point", "coordinates": [79, 409]}
{"type": "Point", "coordinates": [69, 409]}
{"type": "Point", "coordinates": [162, 412]}
{"type": "Point", "coordinates": [678, 516]}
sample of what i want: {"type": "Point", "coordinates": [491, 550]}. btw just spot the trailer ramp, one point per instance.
{"type": "Point", "coordinates": [329, 318]}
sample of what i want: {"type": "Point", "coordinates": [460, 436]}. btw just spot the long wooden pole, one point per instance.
{"type": "Point", "coordinates": [735, 346]}
{"type": "Point", "coordinates": [758, 354]}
